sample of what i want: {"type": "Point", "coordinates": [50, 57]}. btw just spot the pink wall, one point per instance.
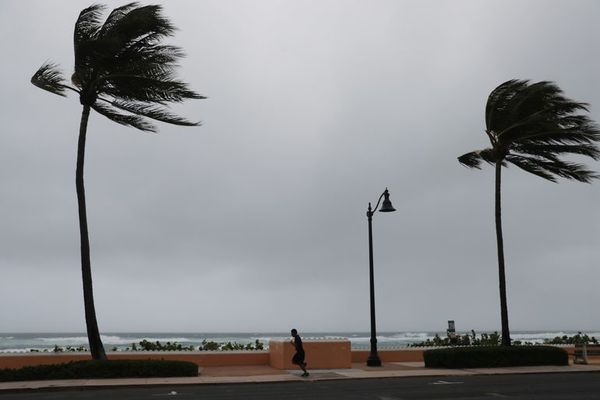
{"type": "Point", "coordinates": [320, 354]}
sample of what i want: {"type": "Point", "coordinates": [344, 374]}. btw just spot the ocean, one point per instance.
{"type": "Point", "coordinates": [25, 342]}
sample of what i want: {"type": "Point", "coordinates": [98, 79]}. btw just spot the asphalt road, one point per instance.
{"type": "Point", "coordinates": [535, 386]}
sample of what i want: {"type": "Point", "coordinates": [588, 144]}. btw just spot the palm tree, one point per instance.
{"type": "Point", "coordinates": [123, 72]}
{"type": "Point", "coordinates": [531, 125]}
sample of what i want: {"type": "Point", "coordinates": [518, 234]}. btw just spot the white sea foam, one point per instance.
{"type": "Point", "coordinates": [539, 337]}
{"type": "Point", "coordinates": [112, 340]}
{"type": "Point", "coordinates": [153, 339]}
{"type": "Point", "coordinates": [263, 339]}
{"type": "Point", "coordinates": [68, 339]}
{"type": "Point", "coordinates": [412, 336]}
{"type": "Point", "coordinates": [15, 350]}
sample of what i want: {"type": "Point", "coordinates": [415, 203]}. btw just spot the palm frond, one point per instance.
{"type": "Point", "coordinates": [545, 168]}
{"type": "Point", "coordinates": [532, 124]}
{"type": "Point", "coordinates": [473, 159]}
{"type": "Point", "coordinates": [88, 23]}
{"type": "Point", "coordinates": [133, 22]}
{"type": "Point", "coordinates": [157, 62]}
{"type": "Point", "coordinates": [121, 65]}
{"type": "Point", "coordinates": [569, 170]}
{"type": "Point", "coordinates": [49, 78]}
{"type": "Point", "coordinates": [87, 26]}
{"type": "Point", "coordinates": [142, 59]}
{"type": "Point", "coordinates": [153, 111]}
{"type": "Point", "coordinates": [530, 166]}
{"type": "Point", "coordinates": [144, 89]}
{"type": "Point", "coordinates": [498, 103]}
{"type": "Point", "coordinates": [586, 132]}
{"type": "Point", "coordinates": [537, 148]}
{"type": "Point", "coordinates": [123, 119]}
{"type": "Point", "coordinates": [527, 109]}
{"type": "Point", "coordinates": [115, 16]}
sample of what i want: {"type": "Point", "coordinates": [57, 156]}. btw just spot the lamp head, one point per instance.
{"type": "Point", "coordinates": [386, 206]}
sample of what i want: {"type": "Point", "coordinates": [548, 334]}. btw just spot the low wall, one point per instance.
{"type": "Point", "coordinates": [412, 354]}
{"type": "Point", "coordinates": [320, 353]}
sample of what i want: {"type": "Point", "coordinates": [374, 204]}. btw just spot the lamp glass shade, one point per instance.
{"type": "Point", "coordinates": [386, 206]}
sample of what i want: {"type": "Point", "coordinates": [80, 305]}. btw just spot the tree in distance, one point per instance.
{"type": "Point", "coordinates": [531, 125]}
{"type": "Point", "coordinates": [124, 72]}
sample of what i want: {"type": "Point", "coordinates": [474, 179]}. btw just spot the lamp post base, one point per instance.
{"type": "Point", "coordinates": [373, 361]}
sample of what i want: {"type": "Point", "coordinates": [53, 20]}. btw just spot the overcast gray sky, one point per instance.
{"type": "Point", "coordinates": [256, 220]}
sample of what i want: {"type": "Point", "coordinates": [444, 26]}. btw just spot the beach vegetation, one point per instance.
{"type": "Point", "coordinates": [146, 345]}
{"type": "Point", "coordinates": [494, 356]}
{"type": "Point", "coordinates": [206, 345]}
{"type": "Point", "coordinates": [472, 339]}
{"type": "Point", "coordinates": [533, 125]}
{"type": "Point", "coordinates": [125, 73]}
{"type": "Point", "coordinates": [494, 339]}
{"type": "Point", "coordinates": [579, 338]}
{"type": "Point", "coordinates": [67, 349]}
{"type": "Point", "coordinates": [257, 345]}
{"type": "Point", "coordinates": [95, 369]}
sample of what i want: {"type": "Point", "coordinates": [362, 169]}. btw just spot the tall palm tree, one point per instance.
{"type": "Point", "coordinates": [531, 125]}
{"type": "Point", "coordinates": [123, 72]}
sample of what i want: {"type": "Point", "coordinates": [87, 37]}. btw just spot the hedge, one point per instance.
{"type": "Point", "coordinates": [494, 356]}
{"type": "Point", "coordinates": [102, 369]}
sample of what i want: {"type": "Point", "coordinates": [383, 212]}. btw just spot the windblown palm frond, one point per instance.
{"type": "Point", "coordinates": [474, 158]}
{"type": "Point", "coordinates": [49, 78]}
{"type": "Point", "coordinates": [532, 125]}
{"type": "Point", "coordinates": [123, 119]}
{"type": "Point", "coordinates": [87, 25]}
{"type": "Point", "coordinates": [122, 70]}
{"type": "Point", "coordinates": [155, 112]}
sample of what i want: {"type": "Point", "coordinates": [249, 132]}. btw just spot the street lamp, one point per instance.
{"type": "Point", "coordinates": [373, 360]}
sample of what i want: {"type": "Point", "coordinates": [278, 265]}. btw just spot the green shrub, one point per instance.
{"type": "Point", "coordinates": [158, 346]}
{"type": "Point", "coordinates": [485, 339]}
{"type": "Point", "coordinates": [219, 346]}
{"type": "Point", "coordinates": [494, 356]}
{"type": "Point", "coordinates": [101, 369]}
{"type": "Point", "coordinates": [579, 338]}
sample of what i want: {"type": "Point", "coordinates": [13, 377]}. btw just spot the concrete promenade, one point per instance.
{"type": "Point", "coordinates": [265, 373]}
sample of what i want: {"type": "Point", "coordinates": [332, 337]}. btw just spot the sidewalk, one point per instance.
{"type": "Point", "coordinates": [264, 373]}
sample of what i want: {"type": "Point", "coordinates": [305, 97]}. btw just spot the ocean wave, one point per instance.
{"type": "Point", "coordinates": [398, 337]}
{"type": "Point", "coordinates": [412, 335]}
{"type": "Point", "coordinates": [66, 339]}
{"type": "Point", "coordinates": [15, 350]}
{"type": "Point", "coordinates": [539, 337]}
{"type": "Point", "coordinates": [262, 339]}
{"type": "Point", "coordinates": [154, 339]}
{"type": "Point", "coordinates": [109, 339]}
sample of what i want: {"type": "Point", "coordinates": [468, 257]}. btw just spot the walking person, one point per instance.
{"type": "Point", "coordinates": [298, 358]}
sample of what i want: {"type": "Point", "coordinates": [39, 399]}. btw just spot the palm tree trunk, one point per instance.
{"type": "Point", "coordinates": [96, 347]}
{"type": "Point", "coordinates": [501, 273]}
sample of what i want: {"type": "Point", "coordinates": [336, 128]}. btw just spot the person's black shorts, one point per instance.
{"type": "Point", "coordinates": [298, 358]}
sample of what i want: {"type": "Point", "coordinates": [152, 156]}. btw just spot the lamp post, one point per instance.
{"type": "Point", "coordinates": [374, 360]}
